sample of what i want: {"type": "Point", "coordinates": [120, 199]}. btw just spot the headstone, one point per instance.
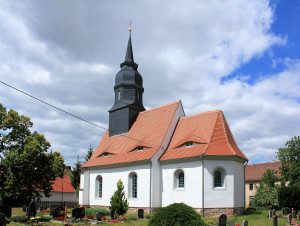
{"type": "Point", "coordinates": [24, 208]}
{"type": "Point", "coordinates": [43, 208]}
{"type": "Point", "coordinates": [274, 212]}
{"type": "Point", "coordinates": [112, 214]}
{"type": "Point", "coordinates": [275, 221]}
{"type": "Point", "coordinates": [52, 208]}
{"type": "Point", "coordinates": [6, 210]}
{"type": "Point", "coordinates": [31, 211]}
{"type": "Point", "coordinates": [270, 214]}
{"type": "Point", "coordinates": [100, 216]}
{"type": "Point", "coordinates": [290, 218]}
{"type": "Point", "coordinates": [2, 219]}
{"type": "Point", "coordinates": [140, 213]}
{"type": "Point", "coordinates": [59, 212]}
{"type": "Point", "coordinates": [294, 214]}
{"type": "Point", "coordinates": [222, 220]}
{"type": "Point", "coordinates": [231, 223]}
{"type": "Point", "coordinates": [78, 213]}
{"type": "Point", "coordinates": [244, 223]}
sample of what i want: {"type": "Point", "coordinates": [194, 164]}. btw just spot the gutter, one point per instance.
{"type": "Point", "coordinates": [202, 185]}
{"type": "Point", "coordinates": [244, 183]}
{"type": "Point", "coordinates": [150, 190]}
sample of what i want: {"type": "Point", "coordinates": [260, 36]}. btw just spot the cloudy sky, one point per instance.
{"type": "Point", "coordinates": [239, 56]}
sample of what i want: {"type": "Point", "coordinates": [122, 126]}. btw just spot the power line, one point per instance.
{"type": "Point", "coordinates": [75, 116]}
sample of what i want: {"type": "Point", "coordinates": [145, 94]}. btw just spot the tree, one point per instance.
{"type": "Point", "coordinates": [289, 156]}
{"type": "Point", "coordinates": [88, 154]}
{"type": "Point", "coordinates": [26, 166]}
{"type": "Point", "coordinates": [76, 171]}
{"type": "Point", "coordinates": [267, 193]}
{"type": "Point", "coordinates": [118, 201]}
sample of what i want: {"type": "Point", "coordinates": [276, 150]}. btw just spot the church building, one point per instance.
{"type": "Point", "coordinates": [163, 156]}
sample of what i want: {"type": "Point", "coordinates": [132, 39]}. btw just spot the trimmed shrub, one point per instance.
{"type": "Point", "coordinates": [93, 211]}
{"type": "Point", "coordinates": [176, 214]}
{"type": "Point", "coordinates": [19, 219]}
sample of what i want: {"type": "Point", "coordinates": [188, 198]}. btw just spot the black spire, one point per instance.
{"type": "Point", "coordinates": [128, 95]}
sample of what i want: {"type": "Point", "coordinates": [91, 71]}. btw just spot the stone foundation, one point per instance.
{"type": "Point", "coordinates": [208, 212]}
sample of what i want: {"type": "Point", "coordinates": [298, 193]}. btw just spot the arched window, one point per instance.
{"type": "Point", "coordinates": [99, 187]}
{"type": "Point", "coordinates": [179, 179]}
{"type": "Point", "coordinates": [132, 188]}
{"type": "Point", "coordinates": [119, 94]}
{"type": "Point", "coordinates": [219, 178]}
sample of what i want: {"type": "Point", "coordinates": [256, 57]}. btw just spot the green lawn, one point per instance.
{"type": "Point", "coordinates": [255, 218]}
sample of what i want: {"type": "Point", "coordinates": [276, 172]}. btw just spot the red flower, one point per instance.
{"type": "Point", "coordinates": [60, 218]}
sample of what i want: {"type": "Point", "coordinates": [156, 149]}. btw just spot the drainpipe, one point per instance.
{"type": "Point", "coordinates": [150, 190]}
{"type": "Point", "coordinates": [245, 183]}
{"type": "Point", "coordinates": [202, 185]}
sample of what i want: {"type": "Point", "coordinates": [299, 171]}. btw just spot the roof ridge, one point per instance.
{"type": "Point", "coordinates": [211, 135]}
{"type": "Point", "coordinates": [254, 164]}
{"type": "Point", "coordinates": [151, 109]}
{"type": "Point", "coordinates": [203, 113]}
{"type": "Point", "coordinates": [223, 120]}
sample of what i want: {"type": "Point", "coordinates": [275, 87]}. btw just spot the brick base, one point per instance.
{"type": "Point", "coordinates": [208, 212]}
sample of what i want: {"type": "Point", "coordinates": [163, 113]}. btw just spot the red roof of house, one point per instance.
{"type": "Point", "coordinates": [210, 130]}
{"type": "Point", "coordinates": [148, 130]}
{"type": "Point", "coordinates": [63, 184]}
{"type": "Point", "coordinates": [255, 172]}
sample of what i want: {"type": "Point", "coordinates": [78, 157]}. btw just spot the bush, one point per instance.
{"type": "Point", "coordinates": [176, 214]}
{"type": "Point", "coordinates": [19, 219]}
{"type": "Point", "coordinates": [93, 211]}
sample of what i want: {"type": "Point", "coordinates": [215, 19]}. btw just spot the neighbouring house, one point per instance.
{"type": "Point", "coordinates": [163, 156]}
{"type": "Point", "coordinates": [253, 175]}
{"type": "Point", "coordinates": [63, 191]}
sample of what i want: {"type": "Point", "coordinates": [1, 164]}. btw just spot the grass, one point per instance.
{"type": "Point", "coordinates": [254, 218]}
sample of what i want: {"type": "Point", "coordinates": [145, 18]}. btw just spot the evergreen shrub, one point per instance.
{"type": "Point", "coordinates": [176, 214]}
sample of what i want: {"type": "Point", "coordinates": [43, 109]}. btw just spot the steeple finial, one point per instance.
{"type": "Point", "coordinates": [129, 61]}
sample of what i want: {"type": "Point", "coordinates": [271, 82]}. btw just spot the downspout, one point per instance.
{"type": "Point", "coordinates": [245, 183]}
{"type": "Point", "coordinates": [150, 190]}
{"type": "Point", "coordinates": [202, 186]}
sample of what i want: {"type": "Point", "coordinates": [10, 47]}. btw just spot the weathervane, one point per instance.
{"type": "Point", "coordinates": [130, 26]}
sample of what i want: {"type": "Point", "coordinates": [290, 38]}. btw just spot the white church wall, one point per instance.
{"type": "Point", "coordinates": [110, 178]}
{"type": "Point", "coordinates": [57, 197]}
{"type": "Point", "coordinates": [86, 188]}
{"type": "Point", "coordinates": [191, 194]}
{"type": "Point", "coordinates": [239, 185]}
{"type": "Point", "coordinates": [81, 193]}
{"type": "Point", "coordinates": [156, 182]}
{"type": "Point", "coordinates": [218, 197]}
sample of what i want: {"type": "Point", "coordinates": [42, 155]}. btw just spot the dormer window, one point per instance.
{"type": "Point", "coordinates": [188, 144]}
{"type": "Point", "coordinates": [140, 148]}
{"type": "Point", "coordinates": [105, 154]}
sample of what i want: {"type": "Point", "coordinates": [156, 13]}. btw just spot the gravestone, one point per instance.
{"type": "Point", "coordinates": [6, 210]}
{"type": "Point", "coordinates": [270, 214]}
{"type": "Point", "coordinates": [274, 212]}
{"type": "Point", "coordinates": [78, 213]}
{"type": "Point", "coordinates": [24, 208]}
{"type": "Point", "coordinates": [2, 219]}
{"type": "Point", "coordinates": [140, 213]}
{"type": "Point", "coordinates": [43, 208]}
{"type": "Point", "coordinates": [100, 216]}
{"type": "Point", "coordinates": [275, 221]}
{"type": "Point", "coordinates": [231, 223]}
{"type": "Point", "coordinates": [222, 220]}
{"type": "Point", "coordinates": [290, 218]}
{"type": "Point", "coordinates": [112, 214]}
{"type": "Point", "coordinates": [58, 212]}
{"type": "Point", "coordinates": [294, 214]}
{"type": "Point", "coordinates": [244, 223]}
{"type": "Point", "coordinates": [31, 211]}
{"type": "Point", "coordinates": [52, 208]}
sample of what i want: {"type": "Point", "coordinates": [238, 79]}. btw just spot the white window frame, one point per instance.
{"type": "Point", "coordinates": [223, 178]}
{"type": "Point", "coordinates": [177, 181]}
{"type": "Point", "coordinates": [131, 184]}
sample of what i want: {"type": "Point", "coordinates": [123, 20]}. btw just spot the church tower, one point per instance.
{"type": "Point", "coordinates": [128, 95]}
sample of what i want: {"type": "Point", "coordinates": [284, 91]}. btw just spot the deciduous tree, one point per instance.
{"type": "Point", "coordinates": [27, 168]}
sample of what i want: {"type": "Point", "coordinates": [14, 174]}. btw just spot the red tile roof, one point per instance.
{"type": "Point", "coordinates": [63, 184]}
{"type": "Point", "coordinates": [148, 130]}
{"type": "Point", "coordinates": [255, 172]}
{"type": "Point", "coordinates": [210, 129]}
